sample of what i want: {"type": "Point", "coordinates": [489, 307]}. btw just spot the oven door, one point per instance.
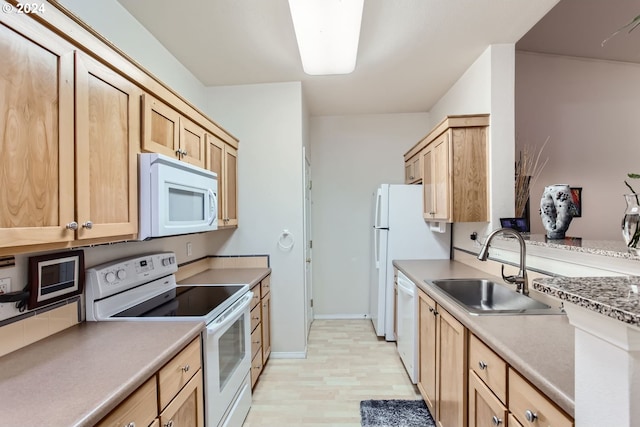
{"type": "Point", "coordinates": [228, 364]}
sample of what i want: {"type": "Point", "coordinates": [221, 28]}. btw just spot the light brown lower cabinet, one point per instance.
{"type": "Point", "coordinates": [174, 396]}
{"type": "Point", "coordinates": [443, 363]}
{"type": "Point", "coordinates": [260, 327]}
{"type": "Point", "coordinates": [493, 384]}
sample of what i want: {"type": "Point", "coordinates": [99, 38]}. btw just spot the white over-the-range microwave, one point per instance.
{"type": "Point", "coordinates": [175, 197]}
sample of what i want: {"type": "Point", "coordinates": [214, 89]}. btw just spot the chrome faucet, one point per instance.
{"type": "Point", "coordinates": [521, 281]}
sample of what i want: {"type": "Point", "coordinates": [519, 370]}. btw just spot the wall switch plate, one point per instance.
{"type": "Point", "coordinates": [189, 249]}
{"type": "Point", "coordinates": [5, 285]}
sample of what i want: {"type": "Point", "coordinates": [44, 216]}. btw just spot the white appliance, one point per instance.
{"type": "Point", "coordinates": [175, 197]}
{"type": "Point", "coordinates": [407, 325]}
{"type": "Point", "coordinates": [144, 288]}
{"type": "Point", "coordinates": [399, 232]}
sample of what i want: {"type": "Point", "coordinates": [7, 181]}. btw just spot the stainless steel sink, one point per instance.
{"type": "Point", "coordinates": [482, 296]}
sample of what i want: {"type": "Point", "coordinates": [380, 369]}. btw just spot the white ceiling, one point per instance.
{"type": "Point", "coordinates": [410, 53]}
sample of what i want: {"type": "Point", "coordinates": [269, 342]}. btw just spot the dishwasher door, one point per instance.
{"type": "Point", "coordinates": [407, 322]}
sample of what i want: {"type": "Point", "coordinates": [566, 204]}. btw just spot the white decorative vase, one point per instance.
{"type": "Point", "coordinates": [556, 210]}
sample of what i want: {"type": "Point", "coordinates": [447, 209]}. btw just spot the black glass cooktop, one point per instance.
{"type": "Point", "coordinates": [186, 301]}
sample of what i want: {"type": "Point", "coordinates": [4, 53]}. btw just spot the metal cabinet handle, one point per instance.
{"type": "Point", "coordinates": [184, 152]}
{"type": "Point", "coordinates": [131, 424]}
{"type": "Point", "coordinates": [256, 318]}
{"type": "Point", "coordinates": [185, 368]}
{"type": "Point", "coordinates": [496, 421]}
{"type": "Point", "coordinates": [72, 226]}
{"type": "Point", "coordinates": [168, 423]}
{"type": "Point", "coordinates": [530, 416]}
{"type": "Point", "coordinates": [431, 309]}
{"type": "Point", "coordinates": [482, 365]}
{"type": "Point", "coordinates": [88, 225]}
{"type": "Point", "coordinates": [178, 152]}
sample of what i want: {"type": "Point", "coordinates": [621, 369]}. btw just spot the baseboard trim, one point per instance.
{"type": "Point", "coordinates": [288, 355]}
{"type": "Point", "coordinates": [340, 316]}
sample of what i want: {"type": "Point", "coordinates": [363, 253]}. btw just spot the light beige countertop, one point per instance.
{"type": "Point", "coordinates": [228, 276]}
{"type": "Point", "coordinates": [540, 347]}
{"type": "Point", "coordinates": [77, 376]}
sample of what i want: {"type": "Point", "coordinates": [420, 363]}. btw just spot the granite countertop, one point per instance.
{"type": "Point", "coordinates": [540, 347]}
{"type": "Point", "coordinates": [610, 248]}
{"type": "Point", "coordinates": [615, 297]}
{"type": "Point", "coordinates": [79, 375]}
{"type": "Point", "coordinates": [228, 276]}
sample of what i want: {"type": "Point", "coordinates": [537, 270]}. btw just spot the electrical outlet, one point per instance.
{"type": "Point", "coordinates": [189, 249]}
{"type": "Point", "coordinates": [5, 285]}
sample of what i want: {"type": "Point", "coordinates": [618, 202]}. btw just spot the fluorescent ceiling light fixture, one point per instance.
{"type": "Point", "coordinates": [327, 32]}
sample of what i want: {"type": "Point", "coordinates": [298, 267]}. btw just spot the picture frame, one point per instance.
{"type": "Point", "coordinates": [576, 196]}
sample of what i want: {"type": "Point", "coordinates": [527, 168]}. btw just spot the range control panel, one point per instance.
{"type": "Point", "coordinates": [116, 276]}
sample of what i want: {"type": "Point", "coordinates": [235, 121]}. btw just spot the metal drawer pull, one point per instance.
{"type": "Point", "coordinates": [72, 226]}
{"type": "Point", "coordinates": [88, 225]}
{"type": "Point", "coordinates": [131, 424]}
{"type": "Point", "coordinates": [482, 365]}
{"type": "Point", "coordinates": [496, 421]}
{"type": "Point", "coordinates": [186, 368]}
{"type": "Point", "coordinates": [530, 416]}
{"type": "Point", "coordinates": [169, 423]}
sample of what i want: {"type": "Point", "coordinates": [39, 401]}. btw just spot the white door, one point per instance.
{"type": "Point", "coordinates": [308, 247]}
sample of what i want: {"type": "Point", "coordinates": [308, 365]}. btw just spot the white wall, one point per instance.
{"type": "Point", "coordinates": [351, 156]}
{"type": "Point", "coordinates": [114, 22]}
{"type": "Point", "coordinates": [590, 111]}
{"type": "Point", "coordinates": [487, 87]}
{"type": "Point", "coordinates": [268, 120]}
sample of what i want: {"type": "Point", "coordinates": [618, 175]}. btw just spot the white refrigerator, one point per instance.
{"type": "Point", "coordinates": [399, 232]}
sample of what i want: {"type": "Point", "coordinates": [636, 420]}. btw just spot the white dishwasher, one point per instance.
{"type": "Point", "coordinates": [407, 324]}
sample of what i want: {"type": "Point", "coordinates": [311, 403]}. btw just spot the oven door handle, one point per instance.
{"type": "Point", "coordinates": [230, 315]}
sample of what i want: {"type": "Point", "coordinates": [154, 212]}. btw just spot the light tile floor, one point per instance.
{"type": "Point", "coordinates": [345, 363]}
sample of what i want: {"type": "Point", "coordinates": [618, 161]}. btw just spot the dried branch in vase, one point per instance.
{"type": "Point", "coordinates": [528, 169]}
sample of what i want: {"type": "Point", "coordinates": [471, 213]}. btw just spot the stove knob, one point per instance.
{"type": "Point", "coordinates": [121, 274]}
{"type": "Point", "coordinates": [110, 277]}
{"type": "Point", "coordinates": [166, 261]}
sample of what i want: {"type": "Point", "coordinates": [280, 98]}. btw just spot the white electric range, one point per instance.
{"type": "Point", "coordinates": [143, 288]}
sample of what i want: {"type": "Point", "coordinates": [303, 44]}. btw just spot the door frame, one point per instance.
{"type": "Point", "coordinates": [308, 247]}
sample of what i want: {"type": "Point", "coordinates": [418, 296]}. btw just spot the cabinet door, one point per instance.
{"type": "Point", "coordinates": [187, 408]}
{"type": "Point", "coordinates": [215, 159]}
{"type": "Point", "coordinates": [192, 139]}
{"type": "Point", "coordinates": [428, 184]}
{"type": "Point", "coordinates": [37, 140]}
{"type": "Point", "coordinates": [160, 127]}
{"type": "Point", "coordinates": [485, 410]}
{"type": "Point", "coordinates": [266, 327]}
{"type": "Point", "coordinates": [108, 140]}
{"type": "Point", "coordinates": [231, 185]}
{"type": "Point", "coordinates": [441, 178]}
{"type": "Point", "coordinates": [452, 371]}
{"type": "Point", "coordinates": [470, 201]}
{"type": "Point", "coordinates": [427, 350]}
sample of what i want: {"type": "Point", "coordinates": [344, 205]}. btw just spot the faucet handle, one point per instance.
{"type": "Point", "coordinates": [511, 279]}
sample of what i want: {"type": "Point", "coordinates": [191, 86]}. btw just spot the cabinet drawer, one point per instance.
{"type": "Point", "coordinates": [256, 295]}
{"type": "Point", "coordinates": [256, 368]}
{"type": "Point", "coordinates": [489, 367]}
{"type": "Point", "coordinates": [265, 286]}
{"type": "Point", "coordinates": [175, 374]}
{"type": "Point", "coordinates": [256, 317]}
{"type": "Point", "coordinates": [256, 341]}
{"type": "Point", "coordinates": [139, 408]}
{"type": "Point", "coordinates": [525, 401]}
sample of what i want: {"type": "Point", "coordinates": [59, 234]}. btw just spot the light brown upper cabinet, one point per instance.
{"type": "Point", "coordinates": [67, 170]}
{"type": "Point", "coordinates": [167, 132]}
{"type": "Point", "coordinates": [413, 170]}
{"type": "Point", "coordinates": [454, 158]}
{"type": "Point", "coordinates": [222, 159]}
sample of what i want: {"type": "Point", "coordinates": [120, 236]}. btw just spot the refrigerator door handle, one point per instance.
{"type": "Point", "coordinates": [376, 250]}
{"type": "Point", "coordinates": [376, 221]}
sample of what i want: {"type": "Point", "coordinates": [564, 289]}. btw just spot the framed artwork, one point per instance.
{"type": "Point", "coordinates": [576, 195]}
